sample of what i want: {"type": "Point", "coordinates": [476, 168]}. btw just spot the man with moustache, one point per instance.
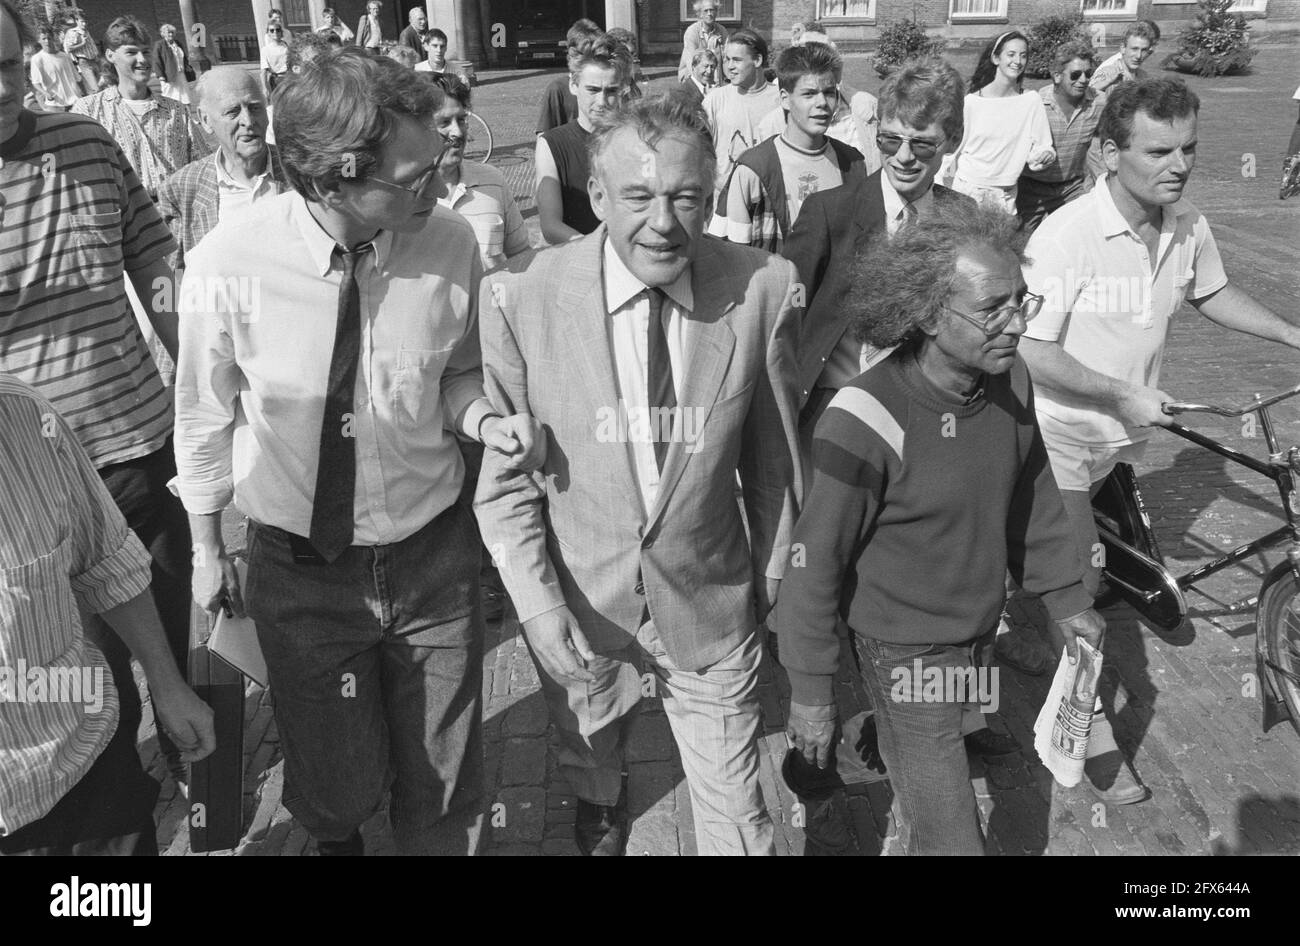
{"type": "Point", "coordinates": [929, 481]}
{"type": "Point", "coordinates": [1073, 112]}
{"type": "Point", "coordinates": [321, 387]}
{"type": "Point", "coordinates": [243, 171]}
{"type": "Point", "coordinates": [628, 553]}
{"type": "Point", "coordinates": [1114, 267]}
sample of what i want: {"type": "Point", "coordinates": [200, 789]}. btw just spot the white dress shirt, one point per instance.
{"type": "Point", "coordinates": [628, 305]}
{"type": "Point", "coordinates": [896, 207]}
{"type": "Point", "coordinates": [258, 310]}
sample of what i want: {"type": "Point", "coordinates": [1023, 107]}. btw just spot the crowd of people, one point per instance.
{"type": "Point", "coordinates": [772, 388]}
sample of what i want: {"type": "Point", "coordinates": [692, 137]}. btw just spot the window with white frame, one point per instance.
{"type": "Point", "coordinates": [846, 9]}
{"type": "Point", "coordinates": [978, 9]}
{"type": "Point", "coordinates": [1249, 6]}
{"type": "Point", "coordinates": [727, 10]}
{"type": "Point", "coordinates": [1114, 8]}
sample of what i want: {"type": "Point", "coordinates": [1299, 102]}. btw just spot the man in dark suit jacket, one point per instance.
{"type": "Point", "coordinates": [245, 168]}
{"type": "Point", "coordinates": [920, 122]}
{"type": "Point", "coordinates": [660, 363]}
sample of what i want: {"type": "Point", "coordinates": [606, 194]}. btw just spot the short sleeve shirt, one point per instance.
{"type": "Point", "coordinates": [1109, 305]}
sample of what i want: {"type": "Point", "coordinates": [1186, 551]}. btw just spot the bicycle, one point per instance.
{"type": "Point", "coordinates": [478, 139]}
{"type": "Point", "coordinates": [1135, 570]}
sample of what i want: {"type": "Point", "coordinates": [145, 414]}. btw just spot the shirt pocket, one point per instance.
{"type": "Point", "coordinates": [37, 609]}
{"type": "Point", "coordinates": [96, 247]}
{"type": "Point", "coordinates": [417, 385]}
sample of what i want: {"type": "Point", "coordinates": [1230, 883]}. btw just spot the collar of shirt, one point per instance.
{"type": "Point", "coordinates": [471, 176]}
{"type": "Point", "coordinates": [226, 179]}
{"type": "Point", "coordinates": [1048, 94]}
{"type": "Point", "coordinates": [320, 245]}
{"type": "Point", "coordinates": [621, 286]}
{"type": "Point", "coordinates": [1113, 222]}
{"type": "Point", "coordinates": [894, 203]}
{"type": "Point", "coordinates": [113, 93]}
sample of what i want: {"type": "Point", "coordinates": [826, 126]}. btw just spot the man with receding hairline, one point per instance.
{"type": "Point", "coordinates": [660, 363]}
{"type": "Point", "coordinates": [244, 170]}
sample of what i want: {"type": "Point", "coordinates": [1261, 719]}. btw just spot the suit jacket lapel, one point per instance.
{"type": "Point", "coordinates": [870, 213]}
{"type": "Point", "coordinates": [583, 321]}
{"type": "Point", "coordinates": [708, 342]}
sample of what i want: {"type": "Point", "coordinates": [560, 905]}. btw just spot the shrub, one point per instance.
{"type": "Point", "coordinates": [1048, 34]}
{"type": "Point", "coordinates": [1217, 43]}
{"type": "Point", "coordinates": [902, 40]}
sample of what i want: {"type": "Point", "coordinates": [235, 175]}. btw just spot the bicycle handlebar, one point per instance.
{"type": "Point", "coordinates": [1256, 403]}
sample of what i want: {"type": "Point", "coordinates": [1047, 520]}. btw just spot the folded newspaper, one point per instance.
{"type": "Point", "coordinates": [1061, 731]}
{"type": "Point", "coordinates": [235, 641]}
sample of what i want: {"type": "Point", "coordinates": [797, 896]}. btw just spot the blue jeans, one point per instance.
{"type": "Point", "coordinates": [922, 746]}
{"type": "Point", "coordinates": [375, 662]}
{"type": "Point", "coordinates": [139, 489]}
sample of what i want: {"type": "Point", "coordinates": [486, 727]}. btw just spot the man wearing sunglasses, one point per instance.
{"type": "Point", "coordinates": [329, 356]}
{"type": "Point", "coordinates": [921, 121]}
{"type": "Point", "coordinates": [1073, 112]}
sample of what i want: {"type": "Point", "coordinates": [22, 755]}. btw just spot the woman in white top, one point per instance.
{"type": "Point", "coordinates": [1006, 127]}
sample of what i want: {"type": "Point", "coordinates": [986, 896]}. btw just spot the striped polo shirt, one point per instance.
{"type": "Point", "coordinates": [65, 550]}
{"type": "Point", "coordinates": [73, 217]}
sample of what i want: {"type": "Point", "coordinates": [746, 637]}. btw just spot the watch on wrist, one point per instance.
{"type": "Point", "coordinates": [482, 420]}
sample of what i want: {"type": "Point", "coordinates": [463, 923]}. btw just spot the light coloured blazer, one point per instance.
{"type": "Point", "coordinates": [574, 532]}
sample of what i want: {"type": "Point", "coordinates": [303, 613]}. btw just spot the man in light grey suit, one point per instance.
{"type": "Point", "coordinates": [660, 362]}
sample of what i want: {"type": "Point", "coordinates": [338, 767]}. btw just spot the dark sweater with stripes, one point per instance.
{"type": "Point", "coordinates": [918, 506]}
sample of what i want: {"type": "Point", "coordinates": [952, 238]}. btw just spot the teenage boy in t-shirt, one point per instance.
{"type": "Point", "coordinates": [770, 182]}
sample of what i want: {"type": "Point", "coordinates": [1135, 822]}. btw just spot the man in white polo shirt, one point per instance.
{"type": "Point", "coordinates": [1114, 266]}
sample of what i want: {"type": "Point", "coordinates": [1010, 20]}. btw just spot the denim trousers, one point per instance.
{"type": "Point", "coordinates": [156, 516]}
{"type": "Point", "coordinates": [375, 663]}
{"type": "Point", "coordinates": [922, 746]}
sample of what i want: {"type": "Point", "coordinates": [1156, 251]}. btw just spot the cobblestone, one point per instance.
{"type": "Point", "coordinates": [1220, 786]}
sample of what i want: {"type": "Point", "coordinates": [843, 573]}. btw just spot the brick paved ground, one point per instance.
{"type": "Point", "coordinates": [1220, 785]}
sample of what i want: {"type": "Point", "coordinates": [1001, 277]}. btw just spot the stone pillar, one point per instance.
{"type": "Point", "coordinates": [316, 11]}
{"type": "Point", "coordinates": [459, 19]}
{"type": "Point", "coordinates": [621, 13]}
{"type": "Point", "coordinates": [261, 9]}
{"type": "Point", "coordinates": [199, 44]}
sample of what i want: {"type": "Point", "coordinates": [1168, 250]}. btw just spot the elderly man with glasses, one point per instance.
{"type": "Point", "coordinates": [337, 436]}
{"type": "Point", "coordinates": [929, 481]}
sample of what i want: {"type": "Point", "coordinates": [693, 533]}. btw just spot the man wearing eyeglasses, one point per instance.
{"type": "Point", "coordinates": [275, 56]}
{"type": "Point", "coordinates": [921, 107]}
{"type": "Point", "coordinates": [1073, 112]}
{"type": "Point", "coordinates": [329, 357]}
{"type": "Point", "coordinates": [929, 482]}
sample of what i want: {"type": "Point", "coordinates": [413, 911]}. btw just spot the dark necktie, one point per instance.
{"type": "Point", "coordinates": [659, 376]}
{"type": "Point", "coordinates": [336, 475]}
